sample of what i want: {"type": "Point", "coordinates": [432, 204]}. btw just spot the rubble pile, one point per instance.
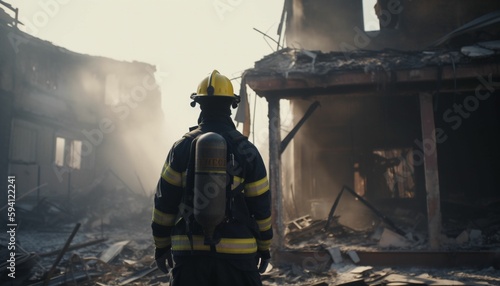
{"type": "Point", "coordinates": [114, 246]}
{"type": "Point", "coordinates": [397, 230]}
{"type": "Point", "coordinates": [125, 257]}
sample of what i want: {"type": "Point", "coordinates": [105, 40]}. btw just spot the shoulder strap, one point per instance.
{"type": "Point", "coordinates": [193, 133]}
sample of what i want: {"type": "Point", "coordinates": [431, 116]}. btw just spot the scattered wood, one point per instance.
{"type": "Point", "coordinates": [63, 279]}
{"type": "Point", "coordinates": [73, 247]}
{"type": "Point", "coordinates": [357, 282]}
{"type": "Point", "coordinates": [61, 253]}
{"type": "Point", "coordinates": [300, 223]}
{"type": "Point", "coordinates": [361, 269]}
{"type": "Point", "coordinates": [137, 275]}
{"type": "Point", "coordinates": [113, 251]}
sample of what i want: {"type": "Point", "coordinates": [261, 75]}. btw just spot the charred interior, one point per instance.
{"type": "Point", "coordinates": [405, 135]}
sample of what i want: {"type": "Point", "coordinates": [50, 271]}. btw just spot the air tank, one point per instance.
{"type": "Point", "coordinates": [210, 183]}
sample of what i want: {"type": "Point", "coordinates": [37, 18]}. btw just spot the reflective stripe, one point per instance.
{"type": "Point", "coordinates": [237, 245]}
{"type": "Point", "coordinates": [236, 182]}
{"type": "Point", "coordinates": [257, 188]}
{"type": "Point", "coordinates": [264, 224]}
{"type": "Point", "coordinates": [264, 244]}
{"type": "Point", "coordinates": [226, 245]}
{"type": "Point", "coordinates": [162, 218]}
{"type": "Point", "coordinates": [171, 176]}
{"type": "Point", "coordinates": [162, 242]}
{"type": "Point", "coordinates": [181, 243]}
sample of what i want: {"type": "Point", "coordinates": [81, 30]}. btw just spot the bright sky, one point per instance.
{"type": "Point", "coordinates": [185, 40]}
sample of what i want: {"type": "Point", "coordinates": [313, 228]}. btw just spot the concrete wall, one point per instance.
{"type": "Point", "coordinates": [58, 93]}
{"type": "Point", "coordinates": [337, 25]}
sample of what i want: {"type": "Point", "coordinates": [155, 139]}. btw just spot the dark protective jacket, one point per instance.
{"type": "Point", "coordinates": [238, 239]}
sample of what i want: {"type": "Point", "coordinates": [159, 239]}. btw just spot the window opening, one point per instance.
{"type": "Point", "coordinates": [59, 154]}
{"type": "Point", "coordinates": [75, 154]}
{"type": "Point", "coordinates": [370, 19]}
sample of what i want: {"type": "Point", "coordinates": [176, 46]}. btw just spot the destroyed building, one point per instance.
{"type": "Point", "coordinates": [395, 128]}
{"type": "Point", "coordinates": [76, 130]}
{"type": "Point", "coordinates": [403, 121]}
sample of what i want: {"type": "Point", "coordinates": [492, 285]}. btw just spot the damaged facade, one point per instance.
{"type": "Point", "coordinates": [74, 127]}
{"type": "Point", "coordinates": [407, 119]}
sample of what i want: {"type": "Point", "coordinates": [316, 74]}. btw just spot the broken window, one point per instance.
{"type": "Point", "coordinates": [75, 157]}
{"type": "Point", "coordinates": [68, 153]}
{"type": "Point", "coordinates": [387, 12]}
{"type": "Point", "coordinates": [59, 154]}
{"type": "Point", "coordinates": [370, 19]}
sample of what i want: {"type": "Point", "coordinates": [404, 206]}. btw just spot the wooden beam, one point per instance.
{"type": "Point", "coordinates": [275, 172]}
{"type": "Point", "coordinates": [296, 128]}
{"type": "Point", "coordinates": [429, 147]}
{"type": "Point", "coordinates": [265, 85]}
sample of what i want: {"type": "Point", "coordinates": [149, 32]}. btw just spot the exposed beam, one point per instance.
{"type": "Point", "coordinates": [298, 84]}
{"type": "Point", "coordinates": [431, 170]}
{"type": "Point", "coordinates": [296, 128]}
{"type": "Point", "coordinates": [275, 172]}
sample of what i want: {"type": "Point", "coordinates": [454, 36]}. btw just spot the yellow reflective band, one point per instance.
{"type": "Point", "coordinates": [226, 245]}
{"type": "Point", "coordinates": [236, 182]}
{"type": "Point", "coordinates": [164, 219]}
{"type": "Point", "coordinates": [210, 171]}
{"type": "Point", "coordinates": [264, 224]}
{"type": "Point", "coordinates": [237, 245]}
{"type": "Point", "coordinates": [162, 242]}
{"type": "Point", "coordinates": [171, 176]}
{"type": "Point", "coordinates": [181, 243]}
{"type": "Point", "coordinates": [264, 244]}
{"type": "Point", "coordinates": [257, 188]}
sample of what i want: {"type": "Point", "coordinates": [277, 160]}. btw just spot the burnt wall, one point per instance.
{"type": "Point", "coordinates": [341, 135]}
{"type": "Point", "coordinates": [468, 152]}
{"type": "Point", "coordinates": [323, 24]}
{"type": "Point", "coordinates": [106, 113]}
{"type": "Point", "coordinates": [6, 99]}
{"type": "Point", "coordinates": [405, 25]}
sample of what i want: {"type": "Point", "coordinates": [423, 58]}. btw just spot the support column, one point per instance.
{"type": "Point", "coordinates": [431, 170]}
{"type": "Point", "coordinates": [275, 172]}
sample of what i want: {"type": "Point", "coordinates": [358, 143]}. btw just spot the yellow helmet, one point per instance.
{"type": "Point", "coordinates": [215, 85]}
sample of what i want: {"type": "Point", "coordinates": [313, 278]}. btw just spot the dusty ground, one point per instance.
{"type": "Point", "coordinates": [137, 256]}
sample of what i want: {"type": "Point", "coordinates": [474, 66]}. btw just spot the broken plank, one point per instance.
{"type": "Point", "coordinates": [137, 275]}
{"type": "Point", "coordinates": [113, 251]}
{"type": "Point", "coordinates": [361, 269]}
{"type": "Point", "coordinates": [63, 279]}
{"type": "Point", "coordinates": [397, 278]}
{"type": "Point", "coordinates": [357, 282]}
{"type": "Point", "coordinates": [73, 247]}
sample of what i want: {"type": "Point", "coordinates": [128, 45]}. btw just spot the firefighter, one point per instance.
{"type": "Point", "coordinates": [237, 249]}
